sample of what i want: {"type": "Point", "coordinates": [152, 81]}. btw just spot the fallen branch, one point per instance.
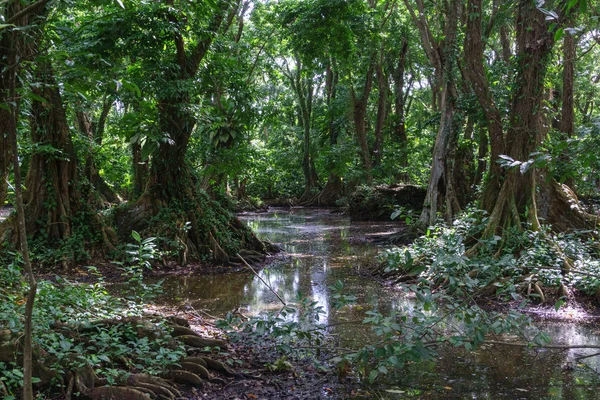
{"type": "Point", "coordinates": [549, 346]}
{"type": "Point", "coordinates": [262, 280]}
{"type": "Point", "coordinates": [588, 356]}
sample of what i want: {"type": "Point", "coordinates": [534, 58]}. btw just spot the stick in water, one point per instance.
{"type": "Point", "coordinates": [263, 281]}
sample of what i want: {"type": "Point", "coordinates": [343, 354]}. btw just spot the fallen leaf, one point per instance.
{"type": "Point", "coordinates": [251, 396]}
{"type": "Point", "coordinates": [447, 388]}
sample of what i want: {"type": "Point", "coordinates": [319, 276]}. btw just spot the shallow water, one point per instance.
{"type": "Point", "coordinates": [323, 247]}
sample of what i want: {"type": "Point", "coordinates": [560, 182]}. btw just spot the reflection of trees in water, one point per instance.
{"type": "Point", "coordinates": [217, 293]}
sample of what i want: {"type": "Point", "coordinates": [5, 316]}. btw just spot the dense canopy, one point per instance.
{"type": "Point", "coordinates": [163, 118]}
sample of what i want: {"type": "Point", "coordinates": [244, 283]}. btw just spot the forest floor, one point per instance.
{"type": "Point", "coordinates": [276, 378]}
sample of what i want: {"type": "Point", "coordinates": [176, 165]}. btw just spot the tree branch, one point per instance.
{"type": "Point", "coordinates": [27, 10]}
{"type": "Point", "coordinates": [201, 48]}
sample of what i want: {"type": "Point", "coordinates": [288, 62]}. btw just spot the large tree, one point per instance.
{"type": "Point", "coordinates": [520, 192]}
{"type": "Point", "coordinates": [53, 201]}
{"type": "Point", "coordinates": [441, 52]}
{"type": "Point", "coordinates": [185, 34]}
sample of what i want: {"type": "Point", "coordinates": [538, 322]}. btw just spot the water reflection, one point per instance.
{"type": "Point", "coordinates": [321, 248]}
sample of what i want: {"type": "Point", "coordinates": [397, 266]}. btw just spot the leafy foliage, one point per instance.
{"type": "Point", "coordinates": [103, 348]}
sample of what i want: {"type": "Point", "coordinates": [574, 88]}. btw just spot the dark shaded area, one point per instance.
{"type": "Point", "coordinates": [378, 203]}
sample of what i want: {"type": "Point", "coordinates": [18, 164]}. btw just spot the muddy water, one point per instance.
{"type": "Point", "coordinates": [323, 247]}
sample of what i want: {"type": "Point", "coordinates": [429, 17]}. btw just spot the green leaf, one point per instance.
{"type": "Point", "coordinates": [136, 236]}
{"type": "Point", "coordinates": [559, 34]}
{"type": "Point", "coordinates": [373, 375]}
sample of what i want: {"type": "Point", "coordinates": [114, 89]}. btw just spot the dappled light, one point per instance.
{"type": "Point", "coordinates": [299, 199]}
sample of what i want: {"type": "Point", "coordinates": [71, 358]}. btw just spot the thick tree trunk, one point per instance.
{"type": "Point", "coordinates": [530, 193]}
{"type": "Point", "coordinates": [52, 196]}
{"type": "Point", "coordinates": [201, 227]}
{"type": "Point", "coordinates": [475, 74]}
{"type": "Point", "coordinates": [441, 189]}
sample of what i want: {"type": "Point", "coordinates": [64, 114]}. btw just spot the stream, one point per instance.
{"type": "Point", "coordinates": [322, 247]}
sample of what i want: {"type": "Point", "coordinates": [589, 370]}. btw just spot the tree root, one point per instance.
{"type": "Point", "coordinates": [185, 378]}
{"type": "Point", "coordinates": [3, 390]}
{"type": "Point", "coordinates": [115, 393]}
{"type": "Point", "coordinates": [194, 371]}
{"type": "Point", "coordinates": [195, 368]}
{"type": "Point", "coordinates": [201, 342]}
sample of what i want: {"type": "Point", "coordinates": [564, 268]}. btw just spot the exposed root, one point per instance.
{"type": "Point", "coordinates": [3, 389]}
{"type": "Point", "coordinates": [115, 393]}
{"type": "Point", "coordinates": [194, 371]}
{"type": "Point", "coordinates": [200, 342]}
{"type": "Point", "coordinates": [179, 330]}
{"type": "Point", "coordinates": [195, 368]}
{"type": "Point", "coordinates": [185, 378]}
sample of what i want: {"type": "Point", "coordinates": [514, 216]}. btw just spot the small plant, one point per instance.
{"type": "Point", "coordinates": [407, 214]}
{"type": "Point", "coordinates": [287, 328]}
{"type": "Point", "coordinates": [140, 254]}
{"type": "Point", "coordinates": [339, 298]}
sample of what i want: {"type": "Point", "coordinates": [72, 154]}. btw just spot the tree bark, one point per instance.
{"type": "Point", "coordinates": [171, 184]}
{"type": "Point", "coordinates": [531, 193]}
{"type": "Point", "coordinates": [359, 114]}
{"type": "Point", "coordinates": [93, 132]}
{"type": "Point", "coordinates": [332, 191]}
{"type": "Point", "coordinates": [567, 117]}
{"type": "Point", "coordinates": [475, 74]}
{"type": "Point", "coordinates": [399, 126]}
{"type": "Point", "coordinates": [52, 196]}
{"type": "Point", "coordinates": [433, 49]}
{"type": "Point", "coordinates": [441, 188]}
{"type": "Point", "coordinates": [382, 89]}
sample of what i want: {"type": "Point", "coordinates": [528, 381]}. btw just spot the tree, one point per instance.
{"type": "Point", "coordinates": [523, 193]}
{"type": "Point", "coordinates": [441, 192]}
{"type": "Point", "coordinates": [166, 46]}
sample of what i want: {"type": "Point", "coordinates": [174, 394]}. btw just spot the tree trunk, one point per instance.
{"type": "Point", "coordinates": [567, 118]}
{"type": "Point", "coordinates": [530, 193]}
{"type": "Point", "coordinates": [186, 215]}
{"type": "Point", "coordinates": [303, 88]}
{"type": "Point", "coordinates": [382, 88]}
{"type": "Point", "coordinates": [359, 113]}
{"type": "Point", "coordinates": [433, 49]}
{"type": "Point", "coordinates": [5, 148]}
{"type": "Point", "coordinates": [399, 126]}
{"type": "Point", "coordinates": [310, 181]}
{"type": "Point", "coordinates": [52, 196]}
{"type": "Point", "coordinates": [441, 189]}
{"type": "Point", "coordinates": [93, 132]}
{"type": "Point", "coordinates": [333, 189]}
{"type": "Point", "coordinates": [440, 181]}
{"type": "Point", "coordinates": [140, 170]}
{"type": "Point", "coordinates": [475, 74]}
